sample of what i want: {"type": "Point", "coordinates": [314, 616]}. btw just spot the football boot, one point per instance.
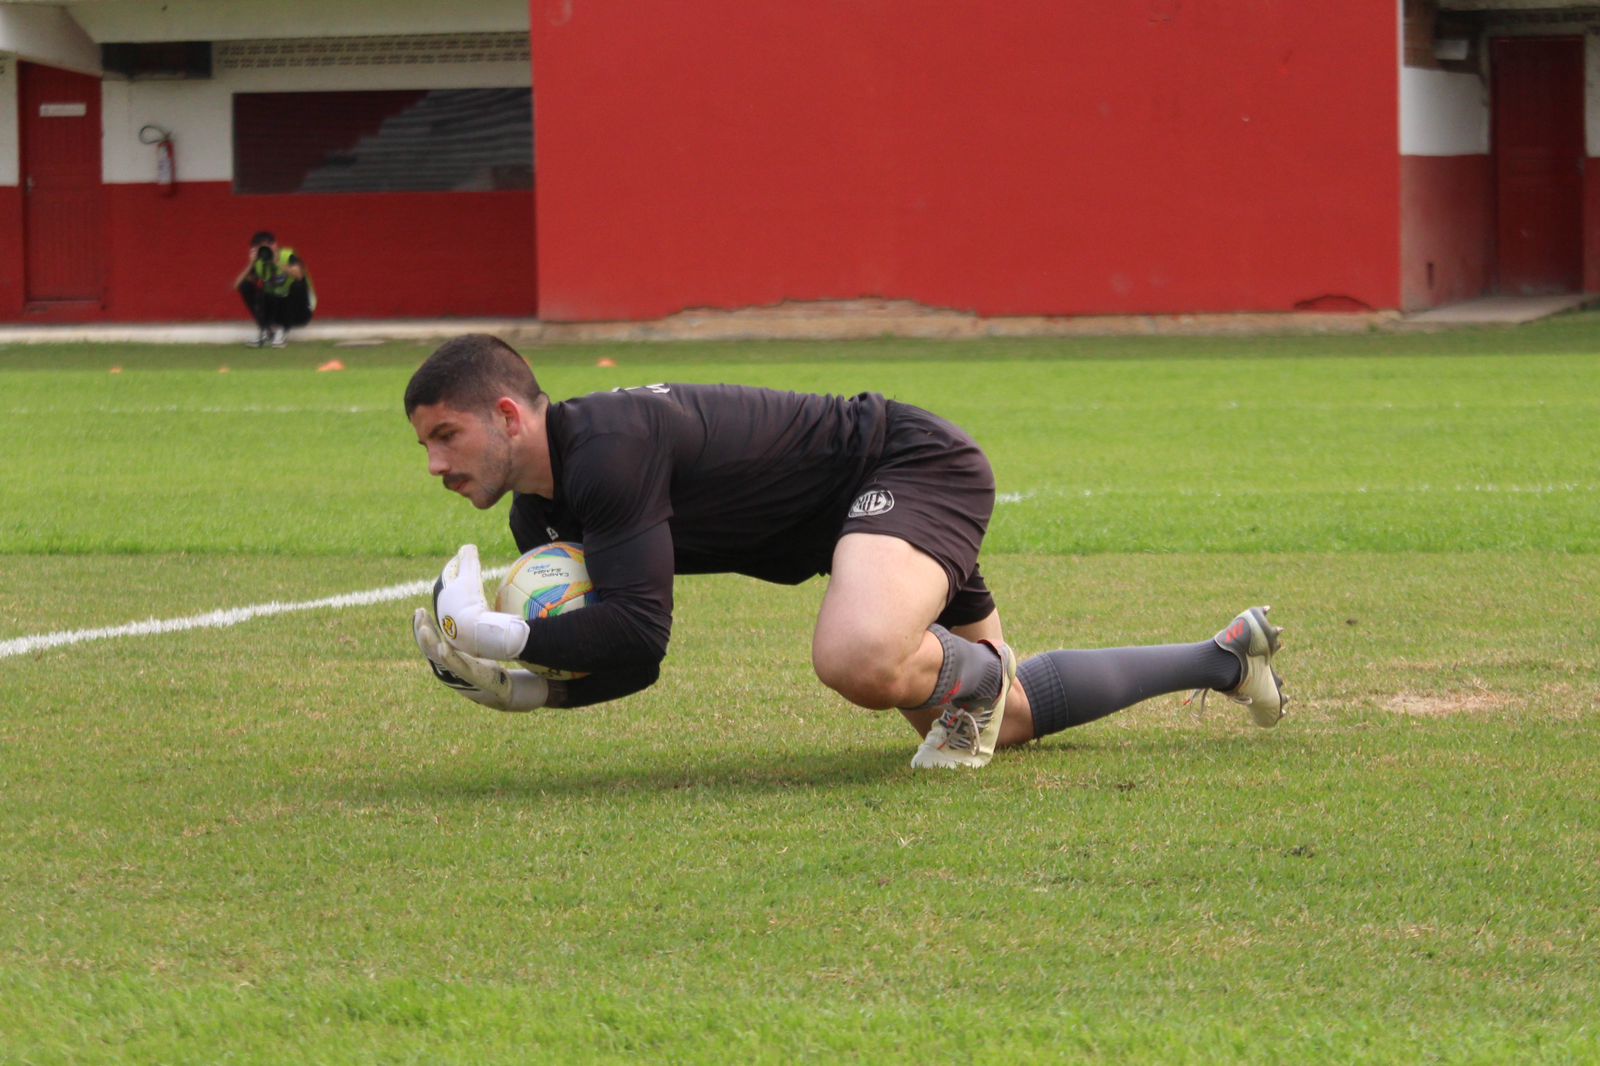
{"type": "Point", "coordinates": [1253, 640]}
{"type": "Point", "coordinates": [966, 735]}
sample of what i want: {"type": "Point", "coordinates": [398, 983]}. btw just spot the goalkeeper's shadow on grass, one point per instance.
{"type": "Point", "coordinates": [652, 770]}
{"type": "Point", "coordinates": [538, 777]}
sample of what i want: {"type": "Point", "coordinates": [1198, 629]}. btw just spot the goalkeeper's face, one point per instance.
{"type": "Point", "coordinates": [469, 452]}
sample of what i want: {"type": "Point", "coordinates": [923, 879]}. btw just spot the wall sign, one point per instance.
{"type": "Point", "coordinates": [63, 110]}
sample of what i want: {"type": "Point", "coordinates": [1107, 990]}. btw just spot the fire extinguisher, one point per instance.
{"type": "Point", "coordinates": [166, 160]}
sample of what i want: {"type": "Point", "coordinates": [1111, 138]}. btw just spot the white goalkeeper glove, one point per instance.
{"type": "Point", "coordinates": [479, 680]}
{"type": "Point", "coordinates": [464, 615]}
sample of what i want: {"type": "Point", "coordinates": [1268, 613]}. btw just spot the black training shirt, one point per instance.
{"type": "Point", "coordinates": [689, 479]}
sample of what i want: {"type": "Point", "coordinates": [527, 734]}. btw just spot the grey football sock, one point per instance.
{"type": "Point", "coordinates": [1068, 688]}
{"type": "Point", "coordinates": [970, 673]}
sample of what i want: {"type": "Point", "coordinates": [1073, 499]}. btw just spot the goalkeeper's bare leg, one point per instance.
{"type": "Point", "coordinates": [876, 645]}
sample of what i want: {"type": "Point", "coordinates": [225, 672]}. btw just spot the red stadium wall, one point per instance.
{"type": "Point", "coordinates": [393, 255]}
{"type": "Point", "coordinates": [1030, 157]}
{"type": "Point", "coordinates": [1591, 224]}
{"type": "Point", "coordinates": [1447, 229]}
{"type": "Point", "coordinates": [10, 252]}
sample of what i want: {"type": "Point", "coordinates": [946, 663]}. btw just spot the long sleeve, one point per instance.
{"type": "Point", "coordinates": [621, 639]}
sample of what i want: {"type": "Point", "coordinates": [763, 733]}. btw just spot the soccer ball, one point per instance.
{"type": "Point", "coordinates": [545, 582]}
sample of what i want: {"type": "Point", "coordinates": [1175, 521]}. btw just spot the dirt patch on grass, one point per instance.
{"type": "Point", "coordinates": [1562, 701]}
{"type": "Point", "coordinates": [1444, 705]}
{"type": "Point", "coordinates": [867, 318]}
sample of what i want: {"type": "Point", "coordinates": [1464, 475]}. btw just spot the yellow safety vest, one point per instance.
{"type": "Point", "coordinates": [276, 279]}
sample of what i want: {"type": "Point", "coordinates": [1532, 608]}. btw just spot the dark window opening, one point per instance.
{"type": "Point", "coordinates": [158, 59]}
{"type": "Point", "coordinates": [415, 140]}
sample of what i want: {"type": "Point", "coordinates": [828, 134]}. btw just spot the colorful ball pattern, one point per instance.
{"type": "Point", "coordinates": [547, 581]}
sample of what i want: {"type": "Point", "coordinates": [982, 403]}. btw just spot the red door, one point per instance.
{"type": "Point", "coordinates": [61, 214]}
{"type": "Point", "coordinates": [1538, 148]}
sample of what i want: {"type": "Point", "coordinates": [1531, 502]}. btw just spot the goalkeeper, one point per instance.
{"type": "Point", "coordinates": [890, 501]}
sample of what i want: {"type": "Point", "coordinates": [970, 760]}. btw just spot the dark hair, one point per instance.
{"type": "Point", "coordinates": [471, 372]}
{"type": "Point", "coordinates": [263, 237]}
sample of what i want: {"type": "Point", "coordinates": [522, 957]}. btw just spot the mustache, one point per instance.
{"type": "Point", "coordinates": [455, 481]}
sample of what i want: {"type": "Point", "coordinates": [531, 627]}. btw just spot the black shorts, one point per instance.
{"type": "Point", "coordinates": [934, 489]}
{"type": "Point", "coordinates": [268, 310]}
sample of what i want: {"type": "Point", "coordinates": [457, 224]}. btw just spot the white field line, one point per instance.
{"type": "Point", "coordinates": [236, 615]}
{"type": "Point", "coordinates": [176, 409]}
{"type": "Point", "coordinates": [231, 616]}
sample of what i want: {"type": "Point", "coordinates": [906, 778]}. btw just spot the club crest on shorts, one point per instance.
{"type": "Point", "coordinates": [872, 502]}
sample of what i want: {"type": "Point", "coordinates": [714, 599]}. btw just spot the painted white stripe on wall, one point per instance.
{"type": "Point", "coordinates": [9, 147]}
{"type": "Point", "coordinates": [223, 619]}
{"type": "Point", "coordinates": [210, 20]}
{"type": "Point", "coordinates": [1591, 94]}
{"type": "Point", "coordinates": [1443, 114]}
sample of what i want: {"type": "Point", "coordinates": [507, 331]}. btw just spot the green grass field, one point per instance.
{"type": "Point", "coordinates": [283, 842]}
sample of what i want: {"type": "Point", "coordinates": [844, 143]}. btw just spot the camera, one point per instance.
{"type": "Point", "coordinates": [264, 253]}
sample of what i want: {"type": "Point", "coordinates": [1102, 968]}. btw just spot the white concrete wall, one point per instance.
{"type": "Point", "coordinates": [47, 34]}
{"type": "Point", "coordinates": [1591, 94]}
{"type": "Point", "coordinates": [1443, 113]}
{"type": "Point", "coordinates": [9, 147]}
{"type": "Point", "coordinates": [199, 114]}
{"type": "Point", "coordinates": [224, 20]}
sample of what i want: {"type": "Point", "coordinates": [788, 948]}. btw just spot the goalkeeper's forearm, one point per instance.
{"type": "Point", "coordinates": [599, 688]}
